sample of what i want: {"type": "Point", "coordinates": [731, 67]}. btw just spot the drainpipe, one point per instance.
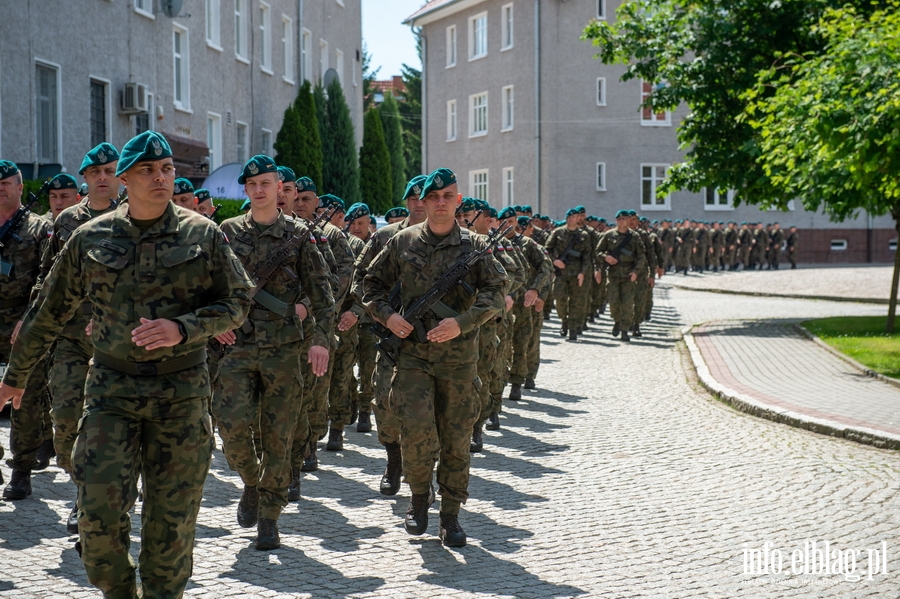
{"type": "Point", "coordinates": [299, 54]}
{"type": "Point", "coordinates": [424, 103]}
{"type": "Point", "coordinates": [537, 103]}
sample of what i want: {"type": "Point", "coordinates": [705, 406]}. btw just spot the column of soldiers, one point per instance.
{"type": "Point", "coordinates": [699, 247]}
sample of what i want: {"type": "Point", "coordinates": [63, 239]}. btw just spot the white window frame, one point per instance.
{"type": "Point", "coordinates": [474, 32]}
{"type": "Point", "coordinates": [108, 97]}
{"type": "Point", "coordinates": [507, 41]}
{"type": "Point", "coordinates": [267, 148]}
{"type": "Point", "coordinates": [184, 104]}
{"type": "Point", "coordinates": [287, 45]}
{"type": "Point", "coordinates": [601, 91]}
{"type": "Point", "coordinates": [340, 2]}
{"type": "Point", "coordinates": [265, 38]}
{"type": "Point", "coordinates": [507, 109]}
{"type": "Point", "coordinates": [241, 23]}
{"type": "Point", "coordinates": [473, 119]}
{"type": "Point", "coordinates": [600, 174]}
{"type": "Point", "coordinates": [46, 64]}
{"type": "Point", "coordinates": [838, 245]}
{"type": "Point", "coordinates": [717, 205]}
{"type": "Point", "coordinates": [214, 24]}
{"type": "Point", "coordinates": [339, 65]}
{"type": "Point", "coordinates": [475, 183]}
{"type": "Point", "coordinates": [601, 10]}
{"type": "Point", "coordinates": [451, 46]}
{"type": "Point", "coordinates": [508, 186]}
{"type": "Point", "coordinates": [657, 119]}
{"type": "Point", "coordinates": [144, 8]}
{"type": "Point", "coordinates": [452, 120]}
{"type": "Point", "coordinates": [323, 59]}
{"type": "Point", "coordinates": [214, 140]}
{"type": "Point", "coordinates": [306, 54]}
{"type": "Point", "coordinates": [244, 156]}
{"type": "Point", "coordinates": [654, 183]}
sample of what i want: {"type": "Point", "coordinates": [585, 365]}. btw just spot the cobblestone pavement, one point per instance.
{"type": "Point", "coordinates": [857, 282]}
{"type": "Point", "coordinates": [619, 477]}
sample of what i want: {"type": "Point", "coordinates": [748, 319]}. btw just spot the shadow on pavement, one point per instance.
{"type": "Point", "coordinates": [498, 494]}
{"type": "Point", "coordinates": [320, 521]}
{"type": "Point", "coordinates": [71, 567]}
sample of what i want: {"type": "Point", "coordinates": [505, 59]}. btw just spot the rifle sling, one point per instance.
{"type": "Point", "coordinates": [272, 303]}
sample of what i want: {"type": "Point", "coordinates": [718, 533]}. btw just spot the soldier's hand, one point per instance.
{"type": "Point", "coordinates": [559, 264]}
{"type": "Point", "coordinates": [8, 393]}
{"type": "Point", "coordinates": [318, 359]}
{"type": "Point", "coordinates": [611, 261]}
{"type": "Point", "coordinates": [580, 279]}
{"type": "Point", "coordinates": [153, 334]}
{"type": "Point", "coordinates": [652, 282]}
{"type": "Point", "coordinates": [89, 328]}
{"type": "Point", "coordinates": [398, 326]}
{"type": "Point", "coordinates": [598, 276]}
{"type": "Point", "coordinates": [530, 297]}
{"type": "Point", "coordinates": [633, 277]}
{"type": "Point", "coordinates": [15, 332]}
{"type": "Point", "coordinates": [301, 311]}
{"type": "Point", "coordinates": [539, 305]}
{"type": "Point", "coordinates": [660, 272]}
{"type": "Point", "coordinates": [446, 330]}
{"type": "Point", "coordinates": [509, 303]}
{"type": "Point", "coordinates": [348, 321]}
{"type": "Point", "coordinates": [227, 338]}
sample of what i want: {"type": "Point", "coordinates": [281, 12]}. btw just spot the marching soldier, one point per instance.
{"type": "Point", "coordinates": [623, 250]}
{"type": "Point", "coordinates": [792, 239]}
{"type": "Point", "coordinates": [183, 194]}
{"type": "Point", "coordinates": [569, 249]}
{"type": "Point", "coordinates": [62, 193]}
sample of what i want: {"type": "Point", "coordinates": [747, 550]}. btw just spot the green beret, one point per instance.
{"type": "Point", "coordinates": [492, 212]}
{"type": "Point", "coordinates": [328, 200]}
{"type": "Point", "coordinates": [202, 195]}
{"type": "Point", "coordinates": [591, 218]}
{"type": "Point", "coordinates": [559, 223]}
{"type": "Point", "coordinates": [414, 187]}
{"type": "Point", "coordinates": [538, 217]}
{"type": "Point", "coordinates": [439, 179]}
{"type": "Point", "coordinates": [357, 210]}
{"type": "Point", "coordinates": [305, 184]}
{"type": "Point", "coordinates": [7, 169]}
{"type": "Point", "coordinates": [481, 204]}
{"type": "Point", "coordinates": [571, 212]}
{"type": "Point", "coordinates": [508, 212]}
{"type": "Point", "coordinates": [398, 212]}
{"type": "Point", "coordinates": [182, 185]}
{"type": "Point", "coordinates": [632, 213]}
{"type": "Point", "coordinates": [623, 214]}
{"type": "Point", "coordinates": [580, 209]}
{"type": "Point", "coordinates": [517, 208]}
{"type": "Point", "coordinates": [63, 181]}
{"type": "Point", "coordinates": [246, 205]}
{"type": "Point", "coordinates": [601, 220]}
{"type": "Point", "coordinates": [258, 165]}
{"type": "Point", "coordinates": [149, 145]}
{"type": "Point", "coordinates": [102, 154]}
{"type": "Point", "coordinates": [644, 219]}
{"type": "Point", "coordinates": [286, 174]}
{"type": "Point", "coordinates": [523, 221]}
{"type": "Point", "coordinates": [526, 209]}
{"type": "Point", "coordinates": [84, 189]}
{"type": "Point", "coordinates": [467, 205]}
{"type": "Point", "coordinates": [372, 220]}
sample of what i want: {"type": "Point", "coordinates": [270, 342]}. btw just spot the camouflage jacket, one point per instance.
{"type": "Point", "coordinates": [357, 246]}
{"type": "Point", "coordinates": [658, 251]}
{"type": "Point", "coordinates": [343, 260]}
{"type": "Point", "coordinates": [513, 263]}
{"type": "Point", "coordinates": [540, 269]}
{"type": "Point", "coordinates": [20, 263]}
{"type": "Point", "coordinates": [579, 260]}
{"type": "Point", "coordinates": [306, 273]}
{"type": "Point", "coordinates": [416, 258]}
{"type": "Point", "coordinates": [540, 236]}
{"type": "Point", "coordinates": [179, 269]}
{"type": "Point", "coordinates": [376, 242]}
{"type": "Point", "coordinates": [632, 258]}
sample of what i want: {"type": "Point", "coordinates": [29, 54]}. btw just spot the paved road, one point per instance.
{"type": "Point", "coordinates": [620, 477]}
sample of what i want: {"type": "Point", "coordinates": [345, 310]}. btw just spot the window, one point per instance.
{"type": "Point", "coordinates": [506, 27]}
{"type": "Point", "coordinates": [652, 176]}
{"type": "Point", "coordinates": [648, 117]}
{"type": "Point", "coordinates": [182, 61]}
{"type": "Point", "coordinates": [143, 122]}
{"type": "Point", "coordinates": [339, 65]}
{"type": "Point", "coordinates": [451, 46]}
{"type": "Point", "coordinates": [838, 245]}
{"type": "Point", "coordinates": [214, 140]}
{"type": "Point", "coordinates": [241, 134]}
{"type": "Point", "coordinates": [266, 142]}
{"type": "Point", "coordinates": [306, 54]}
{"type": "Point", "coordinates": [145, 8]}
{"type": "Point", "coordinates": [892, 245]}
{"type": "Point", "coordinates": [265, 38]}
{"type": "Point", "coordinates": [241, 17]}
{"type": "Point", "coordinates": [287, 42]}
{"type": "Point", "coordinates": [451, 120]}
{"type": "Point", "coordinates": [213, 22]}
{"type": "Point", "coordinates": [718, 199]}
{"type": "Point", "coordinates": [508, 196]}
{"type": "Point", "coordinates": [478, 184]}
{"type": "Point", "coordinates": [601, 9]}
{"type": "Point", "coordinates": [323, 58]}
{"type": "Point", "coordinates": [601, 91]}
{"type": "Point", "coordinates": [47, 114]}
{"type": "Point", "coordinates": [478, 36]}
{"type": "Point", "coordinates": [506, 115]}
{"type": "Point", "coordinates": [478, 114]}
{"type": "Point", "coordinates": [601, 176]}
{"type": "Point", "coordinates": [99, 119]}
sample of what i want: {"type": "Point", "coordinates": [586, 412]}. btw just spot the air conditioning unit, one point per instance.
{"type": "Point", "coordinates": [134, 98]}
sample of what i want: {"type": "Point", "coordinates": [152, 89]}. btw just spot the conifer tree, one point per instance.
{"type": "Point", "coordinates": [393, 137]}
{"type": "Point", "coordinates": [375, 166]}
{"type": "Point", "coordinates": [340, 165]}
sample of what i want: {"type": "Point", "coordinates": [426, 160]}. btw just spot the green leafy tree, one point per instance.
{"type": "Point", "coordinates": [829, 121]}
{"type": "Point", "coordinates": [340, 166]}
{"type": "Point", "coordinates": [393, 137]}
{"type": "Point", "coordinates": [375, 166]}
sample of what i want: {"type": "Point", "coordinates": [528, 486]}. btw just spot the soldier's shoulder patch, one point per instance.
{"type": "Point", "coordinates": [323, 239]}
{"type": "Point", "coordinates": [312, 239]}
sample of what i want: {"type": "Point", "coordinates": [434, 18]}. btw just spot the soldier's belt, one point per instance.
{"type": "Point", "coordinates": [263, 314]}
{"type": "Point", "coordinates": [151, 368]}
{"type": "Point", "coordinates": [13, 302]}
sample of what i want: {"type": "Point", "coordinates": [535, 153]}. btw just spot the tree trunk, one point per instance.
{"type": "Point", "coordinates": [892, 305]}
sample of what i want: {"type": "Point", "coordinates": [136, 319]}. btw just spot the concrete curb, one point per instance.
{"type": "Point", "coordinates": [829, 298]}
{"type": "Point", "coordinates": [753, 406]}
{"type": "Point", "coordinates": [834, 352]}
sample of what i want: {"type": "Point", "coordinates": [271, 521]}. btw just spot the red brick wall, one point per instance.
{"type": "Point", "coordinates": [815, 245]}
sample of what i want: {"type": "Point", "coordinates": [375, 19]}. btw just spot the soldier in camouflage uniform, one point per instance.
{"type": "Point", "coordinates": [396, 215]}
{"type": "Point", "coordinates": [745, 242]}
{"type": "Point", "coordinates": [623, 250]}
{"type": "Point", "coordinates": [435, 386]}
{"type": "Point", "coordinates": [161, 282]}
{"type": "Point", "coordinates": [62, 194]}
{"type": "Point", "coordinates": [20, 261]}
{"type": "Point", "coordinates": [569, 249]}
{"type": "Point", "coordinates": [730, 251]}
{"type": "Point", "coordinates": [259, 380]}
{"type": "Point", "coordinates": [645, 280]}
{"type": "Point", "coordinates": [183, 195]}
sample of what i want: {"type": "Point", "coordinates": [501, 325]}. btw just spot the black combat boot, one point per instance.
{"type": "Point", "coordinates": [637, 331]}
{"type": "Point", "coordinates": [573, 335]}
{"type": "Point", "coordinates": [267, 535]}
{"type": "Point", "coordinates": [42, 459]}
{"type": "Point", "coordinates": [451, 533]}
{"type": "Point", "coordinates": [616, 330]}
{"type": "Point", "coordinates": [493, 423]}
{"type": "Point", "coordinates": [591, 319]}
{"type": "Point", "coordinates": [546, 316]}
{"type": "Point", "coordinates": [19, 486]}
{"type": "Point", "coordinates": [335, 440]}
{"type": "Point", "coordinates": [529, 384]}
{"type": "Point", "coordinates": [390, 481]}
{"type": "Point", "coordinates": [515, 392]}
{"type": "Point", "coordinates": [364, 425]}
{"type": "Point", "coordinates": [294, 489]}
{"type": "Point", "coordinates": [72, 521]}
{"type": "Point", "coordinates": [417, 514]}
{"type": "Point", "coordinates": [248, 507]}
{"type": "Point", "coordinates": [625, 336]}
{"type": "Point", "coordinates": [564, 330]}
{"type": "Point", "coordinates": [602, 309]}
{"type": "Point", "coordinates": [310, 462]}
{"type": "Point", "coordinates": [477, 443]}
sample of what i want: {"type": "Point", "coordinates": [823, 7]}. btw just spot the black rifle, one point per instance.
{"type": "Point", "coordinates": [621, 249]}
{"type": "Point", "coordinates": [212, 214]}
{"type": "Point", "coordinates": [453, 276]}
{"type": "Point", "coordinates": [471, 223]}
{"type": "Point", "coordinates": [565, 253]}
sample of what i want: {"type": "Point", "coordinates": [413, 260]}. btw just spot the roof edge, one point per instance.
{"type": "Point", "coordinates": [427, 15]}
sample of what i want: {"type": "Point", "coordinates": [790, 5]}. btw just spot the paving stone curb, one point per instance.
{"type": "Point", "coordinates": [828, 298]}
{"type": "Point", "coordinates": [858, 365]}
{"type": "Point", "coordinates": [751, 405]}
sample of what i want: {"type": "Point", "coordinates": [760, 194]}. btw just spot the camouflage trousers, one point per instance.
{"type": "Point", "coordinates": [340, 366]}
{"type": "Point", "coordinates": [621, 300]}
{"type": "Point", "coordinates": [534, 344]}
{"type": "Point", "coordinates": [387, 425]}
{"type": "Point", "coordinates": [366, 353]}
{"type": "Point", "coordinates": [302, 434]}
{"type": "Point", "coordinates": [521, 341]}
{"type": "Point", "coordinates": [30, 425]}
{"type": "Point", "coordinates": [68, 371]}
{"type": "Point", "coordinates": [437, 405]}
{"type": "Point", "coordinates": [488, 344]}
{"type": "Point", "coordinates": [260, 390]}
{"type": "Point", "coordinates": [500, 371]}
{"type": "Point", "coordinates": [682, 255]}
{"type": "Point", "coordinates": [598, 295]}
{"type": "Point", "coordinates": [317, 406]}
{"type": "Point", "coordinates": [642, 298]}
{"type": "Point", "coordinates": [167, 442]}
{"type": "Point", "coordinates": [569, 301]}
